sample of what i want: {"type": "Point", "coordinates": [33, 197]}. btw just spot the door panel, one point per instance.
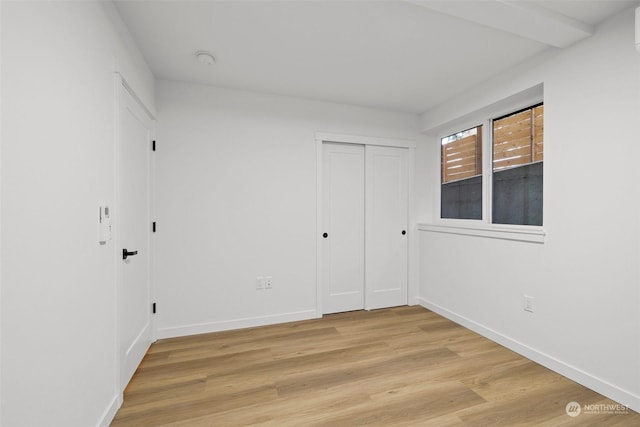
{"type": "Point", "coordinates": [133, 234]}
{"type": "Point", "coordinates": [343, 220]}
{"type": "Point", "coordinates": [386, 219]}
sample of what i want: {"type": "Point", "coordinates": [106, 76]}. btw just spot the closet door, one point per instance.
{"type": "Point", "coordinates": [343, 232]}
{"type": "Point", "coordinates": [386, 226]}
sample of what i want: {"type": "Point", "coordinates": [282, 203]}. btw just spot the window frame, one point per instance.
{"type": "Point", "coordinates": [485, 227]}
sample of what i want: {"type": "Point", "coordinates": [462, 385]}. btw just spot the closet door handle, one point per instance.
{"type": "Point", "coordinates": [126, 253]}
{"type": "Point", "coordinates": [404, 232]}
{"type": "Point", "coordinates": [325, 235]}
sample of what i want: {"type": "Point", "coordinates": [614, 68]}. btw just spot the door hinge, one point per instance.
{"type": "Point", "coordinates": [153, 308]}
{"type": "Point", "coordinates": [153, 145]}
{"type": "Point", "coordinates": [153, 226]}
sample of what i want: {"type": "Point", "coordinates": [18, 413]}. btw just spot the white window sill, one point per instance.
{"type": "Point", "coordinates": [491, 232]}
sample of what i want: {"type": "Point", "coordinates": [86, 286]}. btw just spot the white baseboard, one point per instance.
{"type": "Point", "coordinates": [111, 411]}
{"type": "Point", "coordinates": [581, 377]}
{"type": "Point", "coordinates": [225, 325]}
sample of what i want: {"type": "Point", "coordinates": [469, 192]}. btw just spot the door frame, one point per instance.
{"type": "Point", "coordinates": [121, 84]}
{"type": "Point", "coordinates": [412, 249]}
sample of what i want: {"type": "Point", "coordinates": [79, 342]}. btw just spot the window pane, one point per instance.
{"type": "Point", "coordinates": [461, 189]}
{"type": "Point", "coordinates": [518, 149]}
{"type": "Point", "coordinates": [462, 199]}
{"type": "Point", "coordinates": [517, 195]}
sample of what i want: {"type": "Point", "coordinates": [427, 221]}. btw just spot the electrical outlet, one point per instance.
{"type": "Point", "coordinates": [259, 282]}
{"type": "Point", "coordinates": [528, 303]}
{"type": "Point", "coordinates": [268, 283]}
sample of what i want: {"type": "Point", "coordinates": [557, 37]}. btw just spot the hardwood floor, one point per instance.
{"type": "Point", "coordinates": [403, 366]}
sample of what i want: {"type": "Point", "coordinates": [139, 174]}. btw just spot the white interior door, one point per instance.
{"type": "Point", "coordinates": [343, 232]}
{"type": "Point", "coordinates": [133, 234]}
{"type": "Point", "coordinates": [386, 221]}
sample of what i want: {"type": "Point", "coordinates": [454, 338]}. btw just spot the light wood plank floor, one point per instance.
{"type": "Point", "coordinates": [404, 366]}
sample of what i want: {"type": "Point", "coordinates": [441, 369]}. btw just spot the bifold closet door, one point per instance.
{"type": "Point", "coordinates": [386, 222]}
{"type": "Point", "coordinates": [343, 227]}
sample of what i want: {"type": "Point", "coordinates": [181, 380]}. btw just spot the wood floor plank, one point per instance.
{"type": "Point", "coordinates": [410, 404]}
{"type": "Point", "coordinates": [275, 342]}
{"type": "Point", "coordinates": [509, 380]}
{"type": "Point", "coordinates": [403, 366]}
{"type": "Point", "coordinates": [184, 408]}
{"type": "Point", "coordinates": [292, 411]}
{"type": "Point", "coordinates": [528, 408]}
{"type": "Point", "coordinates": [393, 364]}
{"type": "Point", "coordinates": [212, 364]}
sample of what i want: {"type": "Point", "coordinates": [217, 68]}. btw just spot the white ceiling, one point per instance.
{"type": "Point", "coordinates": [401, 55]}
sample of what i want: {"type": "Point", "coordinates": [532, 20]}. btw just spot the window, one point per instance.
{"type": "Point", "coordinates": [518, 150]}
{"type": "Point", "coordinates": [516, 144]}
{"type": "Point", "coordinates": [461, 189]}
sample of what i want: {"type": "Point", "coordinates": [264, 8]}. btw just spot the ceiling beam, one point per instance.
{"type": "Point", "coordinates": [524, 19]}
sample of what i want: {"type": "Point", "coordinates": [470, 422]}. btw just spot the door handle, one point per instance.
{"type": "Point", "coordinates": [325, 235]}
{"type": "Point", "coordinates": [126, 253]}
{"type": "Point", "coordinates": [404, 232]}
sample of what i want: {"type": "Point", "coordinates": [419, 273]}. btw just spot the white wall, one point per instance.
{"type": "Point", "coordinates": [1, 136]}
{"type": "Point", "coordinates": [236, 179]}
{"type": "Point", "coordinates": [585, 277]}
{"type": "Point", "coordinates": [58, 285]}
